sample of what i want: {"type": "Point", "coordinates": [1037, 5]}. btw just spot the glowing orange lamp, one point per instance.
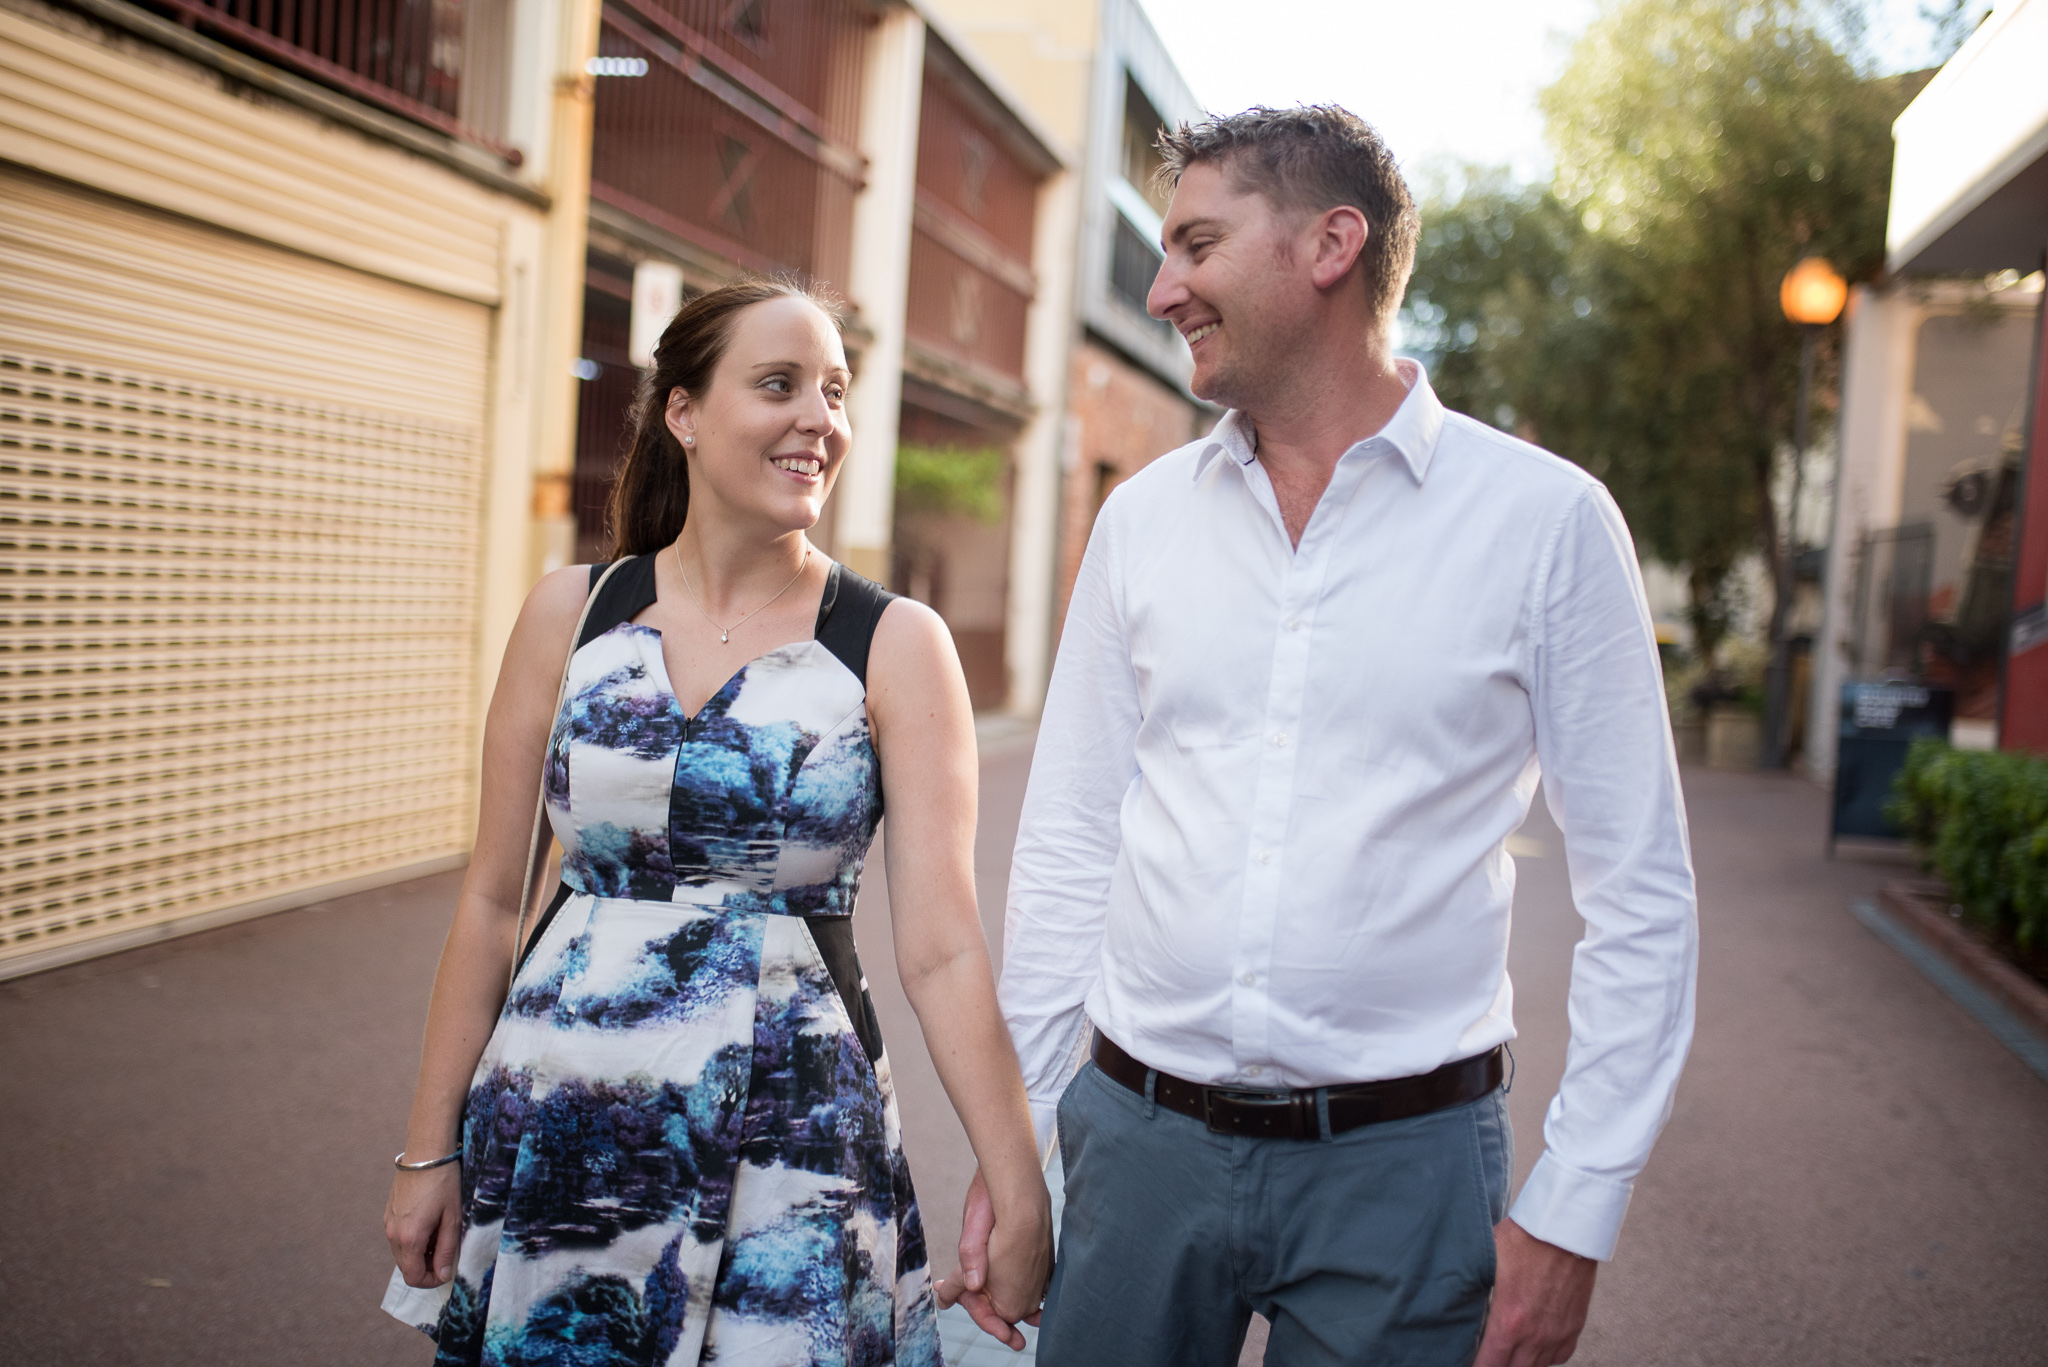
{"type": "Point", "coordinates": [1812, 296]}
{"type": "Point", "coordinates": [1813, 293]}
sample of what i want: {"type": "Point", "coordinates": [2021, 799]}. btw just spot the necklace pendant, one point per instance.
{"type": "Point", "coordinates": [724, 636]}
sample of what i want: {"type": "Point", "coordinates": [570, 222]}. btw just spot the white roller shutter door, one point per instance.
{"type": "Point", "coordinates": [239, 521]}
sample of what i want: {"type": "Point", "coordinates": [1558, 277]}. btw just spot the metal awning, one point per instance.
{"type": "Point", "coordinates": [1970, 171]}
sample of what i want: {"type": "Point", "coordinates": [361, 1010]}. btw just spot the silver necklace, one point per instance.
{"type": "Point", "coordinates": [725, 633]}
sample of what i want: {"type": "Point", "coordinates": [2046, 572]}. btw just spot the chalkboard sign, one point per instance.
{"type": "Point", "coordinates": [1879, 723]}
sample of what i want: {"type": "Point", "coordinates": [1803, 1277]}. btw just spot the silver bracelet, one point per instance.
{"type": "Point", "coordinates": [403, 1166]}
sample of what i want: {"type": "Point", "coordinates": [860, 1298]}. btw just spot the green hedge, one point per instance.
{"type": "Point", "coordinates": [1982, 816]}
{"type": "Point", "coordinates": [946, 479]}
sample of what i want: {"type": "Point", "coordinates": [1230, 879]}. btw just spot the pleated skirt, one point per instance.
{"type": "Point", "coordinates": [678, 1150]}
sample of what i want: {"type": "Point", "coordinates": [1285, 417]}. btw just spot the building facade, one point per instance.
{"type": "Point", "coordinates": [860, 147]}
{"type": "Point", "coordinates": [320, 327]}
{"type": "Point", "coordinates": [1938, 565]}
{"type": "Point", "coordinates": [288, 303]}
{"type": "Point", "coordinates": [1099, 77]}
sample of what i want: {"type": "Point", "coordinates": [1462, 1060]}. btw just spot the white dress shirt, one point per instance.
{"type": "Point", "coordinates": [1264, 841]}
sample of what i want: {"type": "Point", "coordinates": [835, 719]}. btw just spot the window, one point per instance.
{"type": "Point", "coordinates": [1133, 262]}
{"type": "Point", "coordinates": [1141, 161]}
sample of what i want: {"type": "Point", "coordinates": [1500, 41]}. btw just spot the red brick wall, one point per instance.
{"type": "Point", "coordinates": [1122, 419]}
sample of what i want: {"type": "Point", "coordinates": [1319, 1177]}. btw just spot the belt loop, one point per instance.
{"type": "Point", "coordinates": [1151, 1092]}
{"type": "Point", "coordinates": [1509, 1086]}
{"type": "Point", "coordinates": [1323, 1115]}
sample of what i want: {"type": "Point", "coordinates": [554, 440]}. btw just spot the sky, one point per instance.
{"type": "Point", "coordinates": [1443, 80]}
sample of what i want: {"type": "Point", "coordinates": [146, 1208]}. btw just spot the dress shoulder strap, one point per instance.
{"type": "Point", "coordinates": [847, 616]}
{"type": "Point", "coordinates": [625, 596]}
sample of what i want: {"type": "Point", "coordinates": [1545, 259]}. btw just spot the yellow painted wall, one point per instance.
{"type": "Point", "coordinates": [1042, 49]}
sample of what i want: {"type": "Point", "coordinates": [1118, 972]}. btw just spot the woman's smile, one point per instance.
{"type": "Point", "coordinates": [808, 469]}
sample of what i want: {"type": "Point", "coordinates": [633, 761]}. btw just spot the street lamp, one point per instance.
{"type": "Point", "coordinates": [1812, 296]}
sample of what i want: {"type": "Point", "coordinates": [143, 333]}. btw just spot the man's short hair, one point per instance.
{"type": "Point", "coordinates": [1313, 157]}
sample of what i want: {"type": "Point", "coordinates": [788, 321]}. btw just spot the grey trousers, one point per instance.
{"type": "Point", "coordinates": [1373, 1248]}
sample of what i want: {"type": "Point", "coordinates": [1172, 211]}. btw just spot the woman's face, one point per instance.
{"type": "Point", "coordinates": [766, 439]}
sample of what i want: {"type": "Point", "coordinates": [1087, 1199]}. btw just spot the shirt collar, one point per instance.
{"type": "Point", "coordinates": [1412, 431]}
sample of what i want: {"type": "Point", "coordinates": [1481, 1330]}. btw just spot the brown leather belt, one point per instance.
{"type": "Point", "coordinates": [1292, 1114]}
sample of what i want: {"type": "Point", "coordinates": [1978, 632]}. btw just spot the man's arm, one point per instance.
{"type": "Point", "coordinates": [1610, 776]}
{"type": "Point", "coordinates": [1070, 830]}
{"type": "Point", "coordinates": [1603, 736]}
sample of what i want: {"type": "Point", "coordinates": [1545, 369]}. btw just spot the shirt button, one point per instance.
{"type": "Point", "coordinates": [1280, 739]}
{"type": "Point", "coordinates": [1265, 856]}
{"type": "Point", "coordinates": [1254, 1070]}
{"type": "Point", "coordinates": [1249, 979]}
{"type": "Point", "coordinates": [1294, 624]}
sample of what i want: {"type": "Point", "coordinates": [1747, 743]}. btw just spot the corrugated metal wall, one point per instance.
{"type": "Point", "coordinates": [239, 535]}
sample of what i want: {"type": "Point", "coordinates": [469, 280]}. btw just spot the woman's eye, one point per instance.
{"type": "Point", "coordinates": [835, 393]}
{"type": "Point", "coordinates": [777, 383]}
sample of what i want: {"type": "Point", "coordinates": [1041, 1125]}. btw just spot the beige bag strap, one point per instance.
{"type": "Point", "coordinates": [540, 799]}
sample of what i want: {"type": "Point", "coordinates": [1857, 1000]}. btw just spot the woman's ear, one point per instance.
{"type": "Point", "coordinates": [681, 417]}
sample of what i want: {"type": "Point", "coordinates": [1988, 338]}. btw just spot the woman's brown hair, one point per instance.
{"type": "Point", "coordinates": [651, 496]}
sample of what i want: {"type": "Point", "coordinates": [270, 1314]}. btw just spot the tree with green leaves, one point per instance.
{"type": "Point", "coordinates": [1626, 315]}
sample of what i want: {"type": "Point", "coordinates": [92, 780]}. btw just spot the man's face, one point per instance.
{"type": "Point", "coordinates": [1236, 285]}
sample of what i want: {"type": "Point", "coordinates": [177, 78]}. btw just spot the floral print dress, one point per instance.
{"type": "Point", "coordinates": [681, 1144]}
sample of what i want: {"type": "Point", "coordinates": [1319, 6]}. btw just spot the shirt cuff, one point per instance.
{"type": "Point", "coordinates": [1045, 1128]}
{"type": "Point", "coordinates": [1577, 1211]}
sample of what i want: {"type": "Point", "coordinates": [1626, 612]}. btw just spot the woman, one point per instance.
{"type": "Point", "coordinates": [677, 1140]}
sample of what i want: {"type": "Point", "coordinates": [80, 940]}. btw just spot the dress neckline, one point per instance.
{"type": "Point", "coordinates": [668, 687]}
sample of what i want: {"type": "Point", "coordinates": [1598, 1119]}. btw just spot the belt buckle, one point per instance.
{"type": "Point", "coordinates": [1287, 1101]}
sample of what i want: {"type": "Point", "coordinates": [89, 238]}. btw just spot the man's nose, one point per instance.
{"type": "Point", "coordinates": [1167, 292]}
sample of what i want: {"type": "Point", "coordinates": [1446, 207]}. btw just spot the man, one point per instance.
{"type": "Point", "coordinates": [1314, 667]}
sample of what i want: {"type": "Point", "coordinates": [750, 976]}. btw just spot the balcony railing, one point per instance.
{"type": "Point", "coordinates": [437, 62]}
{"type": "Point", "coordinates": [964, 303]}
{"type": "Point", "coordinates": [708, 150]}
{"type": "Point", "coordinates": [802, 56]}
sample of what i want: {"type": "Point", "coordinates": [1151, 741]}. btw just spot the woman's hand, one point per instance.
{"type": "Point", "coordinates": [423, 1218]}
{"type": "Point", "coordinates": [423, 1221]}
{"type": "Point", "coordinates": [1020, 1252]}
{"type": "Point", "coordinates": [982, 1245]}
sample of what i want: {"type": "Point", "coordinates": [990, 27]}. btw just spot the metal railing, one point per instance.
{"type": "Point", "coordinates": [437, 62]}
{"type": "Point", "coordinates": [801, 57]}
{"type": "Point", "coordinates": [714, 155]}
{"type": "Point", "coordinates": [966, 166]}
{"type": "Point", "coordinates": [960, 307]}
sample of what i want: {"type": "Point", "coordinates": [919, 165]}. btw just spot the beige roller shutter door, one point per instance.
{"type": "Point", "coordinates": [239, 521]}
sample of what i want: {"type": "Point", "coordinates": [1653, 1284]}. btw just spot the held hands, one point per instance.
{"type": "Point", "coordinates": [1540, 1296]}
{"type": "Point", "coordinates": [423, 1221]}
{"type": "Point", "coordinates": [1005, 1261]}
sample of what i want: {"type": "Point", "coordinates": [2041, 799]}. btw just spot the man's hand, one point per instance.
{"type": "Point", "coordinates": [1540, 1295]}
{"type": "Point", "coordinates": [969, 1285]}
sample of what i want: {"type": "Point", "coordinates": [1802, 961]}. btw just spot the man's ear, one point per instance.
{"type": "Point", "coordinates": [1339, 240]}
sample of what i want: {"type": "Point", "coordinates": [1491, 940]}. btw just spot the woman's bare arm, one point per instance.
{"type": "Point", "coordinates": [924, 734]}
{"type": "Point", "coordinates": [423, 1216]}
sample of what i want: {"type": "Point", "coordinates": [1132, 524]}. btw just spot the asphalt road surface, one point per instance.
{"type": "Point", "coordinates": [195, 1137]}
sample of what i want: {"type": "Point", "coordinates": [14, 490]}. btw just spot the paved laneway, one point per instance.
{"type": "Point", "coordinates": [1854, 1173]}
{"type": "Point", "coordinates": [195, 1137]}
